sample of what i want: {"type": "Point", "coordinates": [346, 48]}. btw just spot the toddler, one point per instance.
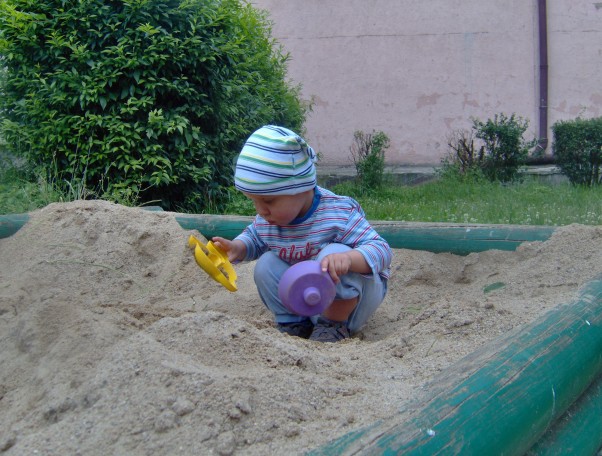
{"type": "Point", "coordinates": [296, 221]}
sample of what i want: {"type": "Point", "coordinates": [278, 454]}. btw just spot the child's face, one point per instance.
{"type": "Point", "coordinates": [282, 209]}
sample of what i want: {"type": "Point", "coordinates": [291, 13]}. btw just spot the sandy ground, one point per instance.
{"type": "Point", "coordinates": [113, 341]}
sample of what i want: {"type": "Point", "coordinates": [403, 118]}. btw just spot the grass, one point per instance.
{"type": "Point", "coordinates": [23, 189]}
{"type": "Point", "coordinates": [22, 192]}
{"type": "Point", "coordinates": [529, 202]}
{"type": "Point", "coordinates": [448, 200]}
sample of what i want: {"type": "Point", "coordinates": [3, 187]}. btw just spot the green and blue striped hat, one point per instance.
{"type": "Point", "coordinates": [275, 161]}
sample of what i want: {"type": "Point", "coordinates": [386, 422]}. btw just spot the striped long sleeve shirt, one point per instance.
{"type": "Point", "coordinates": [331, 219]}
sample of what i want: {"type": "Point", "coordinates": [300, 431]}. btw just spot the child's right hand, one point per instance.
{"type": "Point", "coordinates": [236, 250]}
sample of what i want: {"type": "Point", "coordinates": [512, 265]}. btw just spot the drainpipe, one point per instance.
{"type": "Point", "coordinates": [543, 80]}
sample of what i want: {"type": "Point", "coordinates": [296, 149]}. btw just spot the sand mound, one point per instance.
{"type": "Point", "coordinates": [115, 342]}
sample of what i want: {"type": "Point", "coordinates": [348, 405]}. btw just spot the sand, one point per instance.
{"type": "Point", "coordinates": [115, 342]}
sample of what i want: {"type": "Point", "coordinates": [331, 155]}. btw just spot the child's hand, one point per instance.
{"type": "Point", "coordinates": [236, 250]}
{"type": "Point", "coordinates": [336, 264]}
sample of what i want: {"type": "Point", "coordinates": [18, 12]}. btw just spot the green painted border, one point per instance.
{"type": "Point", "coordinates": [11, 223]}
{"type": "Point", "coordinates": [432, 237]}
{"type": "Point", "coordinates": [579, 431]}
{"type": "Point", "coordinates": [502, 398]}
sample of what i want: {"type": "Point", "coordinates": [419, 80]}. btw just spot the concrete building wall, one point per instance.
{"type": "Point", "coordinates": [418, 70]}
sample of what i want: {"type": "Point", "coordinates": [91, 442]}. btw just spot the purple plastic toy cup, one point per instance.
{"type": "Point", "coordinates": [305, 290]}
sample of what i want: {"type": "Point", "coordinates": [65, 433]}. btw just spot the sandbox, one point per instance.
{"type": "Point", "coordinates": [115, 342]}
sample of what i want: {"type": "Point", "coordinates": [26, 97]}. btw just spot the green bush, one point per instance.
{"type": "Point", "coordinates": [504, 149]}
{"type": "Point", "coordinates": [368, 154]}
{"type": "Point", "coordinates": [577, 149]}
{"type": "Point", "coordinates": [147, 100]}
{"type": "Point", "coordinates": [494, 149]}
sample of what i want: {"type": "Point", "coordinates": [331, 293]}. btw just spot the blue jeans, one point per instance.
{"type": "Point", "coordinates": [369, 290]}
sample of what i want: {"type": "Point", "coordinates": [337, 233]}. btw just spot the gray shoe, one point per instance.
{"type": "Point", "coordinates": [326, 330]}
{"type": "Point", "coordinates": [301, 329]}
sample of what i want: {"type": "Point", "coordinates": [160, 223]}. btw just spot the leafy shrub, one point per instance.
{"type": "Point", "coordinates": [141, 99]}
{"type": "Point", "coordinates": [504, 149]}
{"type": "Point", "coordinates": [498, 154]}
{"type": "Point", "coordinates": [368, 154]}
{"type": "Point", "coordinates": [577, 149]}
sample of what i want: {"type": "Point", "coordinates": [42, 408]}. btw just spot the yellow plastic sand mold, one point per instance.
{"type": "Point", "coordinates": [214, 261]}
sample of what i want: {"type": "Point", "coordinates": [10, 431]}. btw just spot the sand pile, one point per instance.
{"type": "Point", "coordinates": [115, 342]}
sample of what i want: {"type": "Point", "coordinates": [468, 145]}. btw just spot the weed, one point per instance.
{"type": "Point", "coordinates": [368, 154]}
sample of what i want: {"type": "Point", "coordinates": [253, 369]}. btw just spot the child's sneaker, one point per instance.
{"type": "Point", "coordinates": [301, 329]}
{"type": "Point", "coordinates": [326, 330]}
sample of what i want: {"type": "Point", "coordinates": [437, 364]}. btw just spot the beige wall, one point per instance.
{"type": "Point", "coordinates": [419, 69]}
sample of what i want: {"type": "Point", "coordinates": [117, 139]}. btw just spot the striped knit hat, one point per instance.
{"type": "Point", "coordinates": [275, 161]}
